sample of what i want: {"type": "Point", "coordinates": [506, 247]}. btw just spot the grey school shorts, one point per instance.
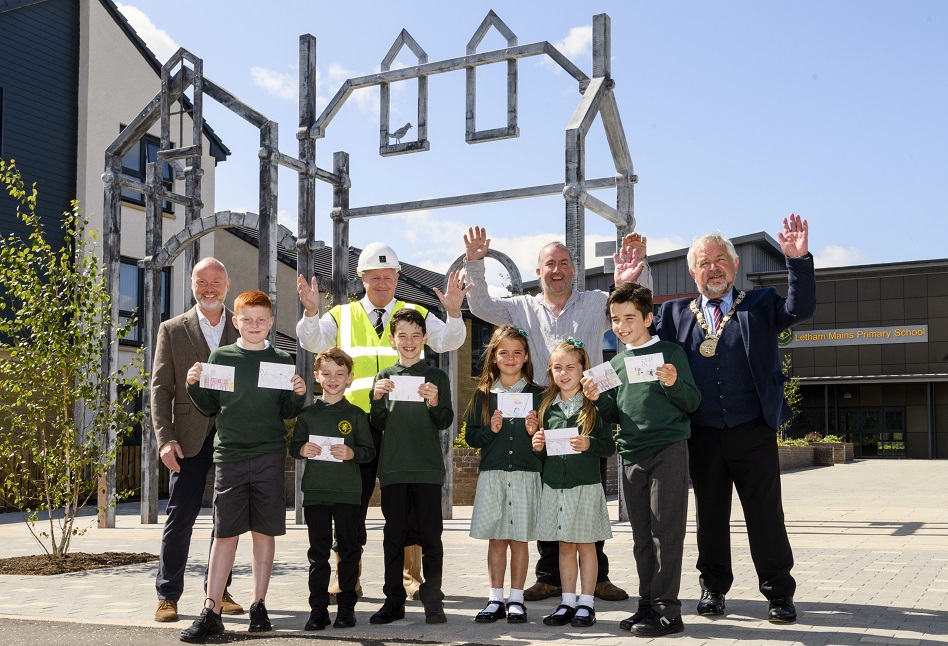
{"type": "Point", "coordinates": [248, 496]}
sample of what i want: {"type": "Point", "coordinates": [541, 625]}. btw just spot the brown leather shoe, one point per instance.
{"type": "Point", "coordinates": [540, 591]}
{"type": "Point", "coordinates": [608, 591]}
{"type": "Point", "coordinates": [229, 606]}
{"type": "Point", "coordinates": [167, 610]}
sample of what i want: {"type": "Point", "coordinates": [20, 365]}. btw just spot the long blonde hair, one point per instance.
{"type": "Point", "coordinates": [587, 416]}
{"type": "Point", "coordinates": [491, 373]}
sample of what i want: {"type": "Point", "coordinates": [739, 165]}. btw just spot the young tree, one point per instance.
{"type": "Point", "coordinates": [55, 413]}
{"type": "Point", "coordinates": [791, 392]}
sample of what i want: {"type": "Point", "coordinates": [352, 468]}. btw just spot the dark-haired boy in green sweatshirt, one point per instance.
{"type": "Point", "coordinates": [411, 467]}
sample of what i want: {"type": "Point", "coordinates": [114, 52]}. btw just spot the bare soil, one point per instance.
{"type": "Point", "coordinates": [41, 564]}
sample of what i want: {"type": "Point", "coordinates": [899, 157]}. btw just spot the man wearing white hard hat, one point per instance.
{"type": "Point", "coordinates": [361, 329]}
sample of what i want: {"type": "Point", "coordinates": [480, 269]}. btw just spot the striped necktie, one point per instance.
{"type": "Point", "coordinates": [379, 328]}
{"type": "Point", "coordinates": [715, 304]}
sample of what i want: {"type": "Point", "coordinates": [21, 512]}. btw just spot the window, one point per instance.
{"type": "Point", "coordinates": [132, 297]}
{"type": "Point", "coordinates": [133, 166]}
{"type": "Point", "coordinates": [480, 337]}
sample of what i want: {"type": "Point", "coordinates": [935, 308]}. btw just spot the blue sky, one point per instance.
{"type": "Point", "coordinates": [736, 113]}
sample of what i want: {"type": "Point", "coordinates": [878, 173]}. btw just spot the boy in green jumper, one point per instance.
{"type": "Point", "coordinates": [249, 453]}
{"type": "Point", "coordinates": [651, 406]}
{"type": "Point", "coordinates": [411, 466]}
{"type": "Point", "coordinates": [332, 489]}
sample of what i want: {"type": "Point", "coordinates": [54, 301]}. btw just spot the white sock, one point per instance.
{"type": "Point", "coordinates": [497, 594]}
{"type": "Point", "coordinates": [569, 599]}
{"type": "Point", "coordinates": [516, 596]}
{"type": "Point", "coordinates": [585, 600]}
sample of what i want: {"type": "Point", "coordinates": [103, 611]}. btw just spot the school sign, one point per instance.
{"type": "Point", "coordinates": [855, 336]}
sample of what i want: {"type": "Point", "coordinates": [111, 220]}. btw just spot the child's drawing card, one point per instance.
{"type": "Point", "coordinates": [217, 377]}
{"type": "Point", "coordinates": [640, 369]}
{"type": "Point", "coordinates": [325, 443]}
{"type": "Point", "coordinates": [406, 388]}
{"type": "Point", "coordinates": [278, 376]}
{"type": "Point", "coordinates": [515, 404]}
{"type": "Point", "coordinates": [557, 440]}
{"type": "Point", "coordinates": [604, 376]}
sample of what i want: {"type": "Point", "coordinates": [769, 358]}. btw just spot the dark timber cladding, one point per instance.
{"type": "Point", "coordinates": [39, 78]}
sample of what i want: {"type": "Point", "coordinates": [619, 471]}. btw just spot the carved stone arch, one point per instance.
{"type": "Point", "coordinates": [385, 132]}
{"type": "Point", "coordinates": [516, 282]}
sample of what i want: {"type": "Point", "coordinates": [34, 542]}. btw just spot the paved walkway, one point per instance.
{"type": "Point", "coordinates": [870, 541]}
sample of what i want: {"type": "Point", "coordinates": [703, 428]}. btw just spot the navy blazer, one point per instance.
{"type": "Point", "coordinates": [762, 316]}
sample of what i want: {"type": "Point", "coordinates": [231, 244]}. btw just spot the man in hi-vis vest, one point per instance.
{"type": "Point", "coordinates": [361, 329]}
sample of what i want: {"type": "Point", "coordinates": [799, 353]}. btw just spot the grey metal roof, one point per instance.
{"type": "Point", "coordinates": [415, 284]}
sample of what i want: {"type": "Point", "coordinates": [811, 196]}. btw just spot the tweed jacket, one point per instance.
{"type": "Point", "coordinates": [762, 316]}
{"type": "Point", "coordinates": [180, 344]}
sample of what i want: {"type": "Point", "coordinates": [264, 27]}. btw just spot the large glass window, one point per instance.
{"type": "Point", "coordinates": [133, 166]}
{"type": "Point", "coordinates": [132, 297]}
{"type": "Point", "coordinates": [480, 337]}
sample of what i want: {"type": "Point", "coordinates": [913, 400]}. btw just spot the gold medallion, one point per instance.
{"type": "Point", "coordinates": [708, 347]}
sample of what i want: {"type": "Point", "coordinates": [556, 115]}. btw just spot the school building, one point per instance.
{"type": "Point", "coordinates": [873, 360]}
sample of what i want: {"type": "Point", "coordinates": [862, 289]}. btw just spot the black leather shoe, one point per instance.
{"type": "Point", "coordinates": [388, 613]}
{"type": "Point", "coordinates": [259, 619]}
{"type": "Point", "coordinates": [434, 614]}
{"type": "Point", "coordinates": [318, 620]}
{"type": "Point", "coordinates": [208, 624]}
{"type": "Point", "coordinates": [712, 603]}
{"type": "Point", "coordinates": [782, 611]}
{"type": "Point", "coordinates": [518, 616]}
{"type": "Point", "coordinates": [487, 616]}
{"type": "Point", "coordinates": [640, 614]}
{"type": "Point", "coordinates": [560, 618]}
{"type": "Point", "coordinates": [583, 621]}
{"type": "Point", "coordinates": [345, 617]}
{"type": "Point", "coordinates": [656, 625]}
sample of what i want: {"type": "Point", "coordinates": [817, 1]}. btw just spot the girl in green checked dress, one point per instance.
{"type": "Point", "coordinates": [500, 421]}
{"type": "Point", "coordinates": [572, 505]}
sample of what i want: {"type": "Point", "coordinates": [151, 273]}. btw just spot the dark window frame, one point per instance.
{"type": "Point", "coordinates": [135, 338]}
{"type": "Point", "coordinates": [144, 152]}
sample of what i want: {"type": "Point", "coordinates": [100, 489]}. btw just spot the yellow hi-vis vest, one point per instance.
{"type": "Point", "coordinates": [356, 335]}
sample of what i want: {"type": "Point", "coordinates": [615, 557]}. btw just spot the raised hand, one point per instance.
{"type": "Point", "coordinates": [476, 243]}
{"type": "Point", "coordinates": [630, 260]}
{"type": "Point", "coordinates": [794, 240]}
{"type": "Point", "coordinates": [309, 295]}
{"type": "Point", "coordinates": [454, 296]}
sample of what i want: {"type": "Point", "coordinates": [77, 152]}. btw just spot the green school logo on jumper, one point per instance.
{"type": "Point", "coordinates": [785, 337]}
{"type": "Point", "coordinates": [345, 427]}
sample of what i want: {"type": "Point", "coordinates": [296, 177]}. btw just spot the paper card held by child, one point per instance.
{"type": "Point", "coordinates": [406, 388]}
{"type": "Point", "coordinates": [639, 369]}
{"type": "Point", "coordinates": [325, 443]}
{"type": "Point", "coordinates": [604, 376]}
{"type": "Point", "coordinates": [515, 404]}
{"type": "Point", "coordinates": [557, 440]}
{"type": "Point", "coordinates": [217, 377]}
{"type": "Point", "coordinates": [278, 376]}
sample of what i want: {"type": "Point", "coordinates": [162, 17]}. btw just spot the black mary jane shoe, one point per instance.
{"type": "Point", "coordinates": [583, 621]}
{"type": "Point", "coordinates": [487, 617]}
{"type": "Point", "coordinates": [560, 618]}
{"type": "Point", "coordinates": [516, 617]}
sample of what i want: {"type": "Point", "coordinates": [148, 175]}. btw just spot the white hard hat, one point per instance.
{"type": "Point", "coordinates": [377, 255]}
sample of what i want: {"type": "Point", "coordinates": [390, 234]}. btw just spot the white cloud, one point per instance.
{"type": "Point", "coordinates": [158, 41]}
{"type": "Point", "coordinates": [836, 256]}
{"type": "Point", "coordinates": [576, 45]}
{"type": "Point", "coordinates": [278, 84]}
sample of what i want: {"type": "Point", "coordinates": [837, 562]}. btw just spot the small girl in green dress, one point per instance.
{"type": "Point", "coordinates": [572, 504]}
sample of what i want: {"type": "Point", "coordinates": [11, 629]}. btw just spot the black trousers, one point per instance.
{"type": "Point", "coordinates": [745, 458]}
{"type": "Point", "coordinates": [185, 491]}
{"type": "Point", "coordinates": [320, 520]}
{"type": "Point", "coordinates": [369, 471]}
{"type": "Point", "coordinates": [412, 507]}
{"type": "Point", "coordinates": [548, 565]}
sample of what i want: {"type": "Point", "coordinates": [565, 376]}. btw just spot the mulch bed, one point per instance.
{"type": "Point", "coordinates": [42, 564]}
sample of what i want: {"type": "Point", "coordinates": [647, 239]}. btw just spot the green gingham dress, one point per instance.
{"type": "Point", "coordinates": [506, 501]}
{"type": "Point", "coordinates": [577, 514]}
